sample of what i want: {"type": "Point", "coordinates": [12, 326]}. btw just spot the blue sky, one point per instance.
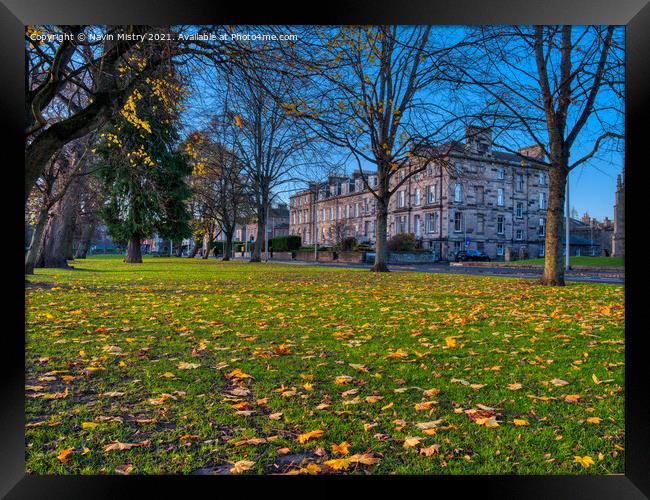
{"type": "Point", "coordinates": [592, 184]}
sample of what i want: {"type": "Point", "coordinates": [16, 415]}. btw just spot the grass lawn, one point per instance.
{"type": "Point", "coordinates": [177, 365]}
{"type": "Point", "coordinates": [580, 261]}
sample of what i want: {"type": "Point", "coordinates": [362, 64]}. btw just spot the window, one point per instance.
{"type": "Point", "coordinates": [366, 206]}
{"type": "Point", "coordinates": [400, 224]}
{"type": "Point", "coordinates": [331, 213]}
{"type": "Point", "coordinates": [480, 246]}
{"type": "Point", "coordinates": [519, 234]}
{"type": "Point", "coordinates": [541, 227]}
{"type": "Point", "coordinates": [500, 224]}
{"type": "Point", "coordinates": [416, 223]}
{"type": "Point", "coordinates": [519, 209]}
{"type": "Point", "coordinates": [357, 209]}
{"type": "Point", "coordinates": [458, 222]}
{"type": "Point", "coordinates": [541, 251]}
{"type": "Point", "coordinates": [501, 173]}
{"type": "Point", "coordinates": [542, 178]}
{"type": "Point", "coordinates": [499, 248]}
{"type": "Point", "coordinates": [519, 183]}
{"type": "Point", "coordinates": [401, 199]}
{"type": "Point", "coordinates": [542, 201]}
{"type": "Point", "coordinates": [366, 226]}
{"type": "Point", "coordinates": [347, 211]}
{"type": "Point", "coordinates": [417, 197]}
{"type": "Point", "coordinates": [457, 193]}
{"type": "Point", "coordinates": [480, 223]}
{"type": "Point", "coordinates": [457, 246]}
{"type": "Point", "coordinates": [400, 175]}
{"type": "Point", "coordinates": [431, 193]}
{"type": "Point", "coordinates": [480, 194]}
{"type": "Point", "coordinates": [431, 222]}
{"type": "Point", "coordinates": [500, 200]}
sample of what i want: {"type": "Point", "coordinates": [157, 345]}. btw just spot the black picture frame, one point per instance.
{"type": "Point", "coordinates": [15, 14]}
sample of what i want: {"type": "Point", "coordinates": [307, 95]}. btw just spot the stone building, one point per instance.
{"type": "Point", "coordinates": [591, 237]}
{"type": "Point", "coordinates": [278, 225]}
{"type": "Point", "coordinates": [471, 198]}
{"type": "Point", "coordinates": [618, 240]}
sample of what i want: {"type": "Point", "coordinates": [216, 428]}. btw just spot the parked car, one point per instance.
{"type": "Point", "coordinates": [475, 255]}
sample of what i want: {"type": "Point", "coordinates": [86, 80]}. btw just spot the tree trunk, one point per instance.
{"type": "Point", "coordinates": [133, 251]}
{"type": "Point", "coordinates": [227, 245]}
{"type": "Point", "coordinates": [256, 255]}
{"type": "Point", "coordinates": [178, 248]}
{"type": "Point", "coordinates": [207, 244]}
{"type": "Point", "coordinates": [86, 240]}
{"type": "Point", "coordinates": [381, 245]}
{"type": "Point", "coordinates": [37, 237]}
{"type": "Point", "coordinates": [195, 249]}
{"type": "Point", "coordinates": [56, 246]}
{"type": "Point", "coordinates": [553, 259]}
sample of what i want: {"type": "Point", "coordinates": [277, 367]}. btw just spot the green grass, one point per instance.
{"type": "Point", "coordinates": [580, 261]}
{"type": "Point", "coordinates": [108, 327]}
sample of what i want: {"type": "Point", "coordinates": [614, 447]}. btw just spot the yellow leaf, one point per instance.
{"type": "Point", "coordinates": [187, 366]}
{"type": "Point", "coordinates": [307, 436]}
{"type": "Point", "coordinates": [487, 422]}
{"type": "Point", "coordinates": [595, 379]}
{"type": "Point", "coordinates": [341, 449]}
{"type": "Point", "coordinates": [238, 121]}
{"type": "Point", "coordinates": [338, 463]}
{"type": "Point", "coordinates": [410, 442]}
{"type": "Point", "coordinates": [520, 421]}
{"type": "Point", "coordinates": [594, 420]}
{"type": "Point", "coordinates": [343, 379]}
{"type": "Point", "coordinates": [388, 406]}
{"type": "Point", "coordinates": [89, 425]}
{"type": "Point", "coordinates": [237, 374]}
{"type": "Point", "coordinates": [585, 461]}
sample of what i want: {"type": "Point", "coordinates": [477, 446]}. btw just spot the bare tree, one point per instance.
{"type": "Point", "coordinates": [268, 142]}
{"type": "Point", "coordinates": [562, 87]}
{"type": "Point", "coordinates": [373, 91]}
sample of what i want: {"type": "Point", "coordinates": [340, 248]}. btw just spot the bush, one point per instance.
{"type": "Point", "coordinates": [217, 247]}
{"type": "Point", "coordinates": [284, 243]}
{"type": "Point", "coordinates": [364, 247]}
{"type": "Point", "coordinates": [403, 242]}
{"type": "Point", "coordinates": [348, 243]}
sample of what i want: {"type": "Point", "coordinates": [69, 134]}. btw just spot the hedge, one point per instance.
{"type": "Point", "coordinates": [284, 243]}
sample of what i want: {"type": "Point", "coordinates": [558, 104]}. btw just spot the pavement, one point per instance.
{"type": "Point", "coordinates": [610, 277]}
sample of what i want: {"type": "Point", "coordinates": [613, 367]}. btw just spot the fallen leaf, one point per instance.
{"type": "Point", "coordinates": [430, 450]}
{"type": "Point", "coordinates": [338, 463]}
{"type": "Point", "coordinates": [241, 466]}
{"type": "Point", "coordinates": [341, 449]}
{"type": "Point", "coordinates": [410, 442]}
{"type": "Point", "coordinates": [585, 461]}
{"type": "Point", "coordinates": [307, 436]}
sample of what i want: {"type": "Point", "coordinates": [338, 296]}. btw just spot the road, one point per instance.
{"type": "Point", "coordinates": [504, 272]}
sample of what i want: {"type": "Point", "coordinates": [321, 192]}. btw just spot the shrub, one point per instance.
{"type": "Point", "coordinates": [284, 243]}
{"type": "Point", "coordinates": [403, 242]}
{"type": "Point", "coordinates": [364, 247]}
{"type": "Point", "coordinates": [348, 243]}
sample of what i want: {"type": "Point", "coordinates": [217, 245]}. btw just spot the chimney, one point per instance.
{"type": "Point", "coordinates": [478, 140]}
